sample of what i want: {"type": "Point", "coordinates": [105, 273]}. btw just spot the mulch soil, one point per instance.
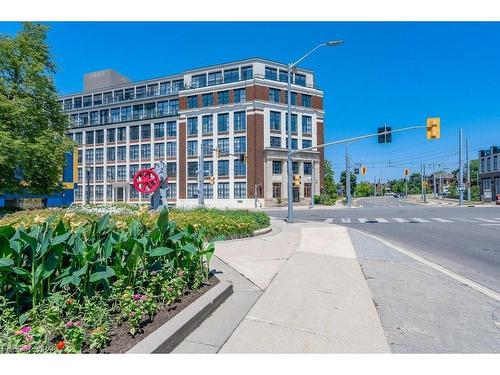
{"type": "Point", "coordinates": [122, 340]}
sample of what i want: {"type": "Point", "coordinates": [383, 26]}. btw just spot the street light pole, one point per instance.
{"type": "Point", "coordinates": [289, 117]}
{"type": "Point", "coordinates": [460, 171]}
{"type": "Point", "coordinates": [468, 169]}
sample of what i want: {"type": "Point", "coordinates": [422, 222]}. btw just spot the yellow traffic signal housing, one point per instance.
{"type": "Point", "coordinates": [363, 171]}
{"type": "Point", "coordinates": [433, 128]}
{"type": "Point", "coordinates": [296, 180]}
{"type": "Point", "coordinates": [211, 180]}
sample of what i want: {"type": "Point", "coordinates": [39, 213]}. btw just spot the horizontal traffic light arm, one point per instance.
{"type": "Point", "coordinates": [359, 138]}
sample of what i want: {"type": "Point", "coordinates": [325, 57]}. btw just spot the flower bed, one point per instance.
{"type": "Point", "coordinates": [65, 283]}
{"type": "Point", "coordinates": [216, 223]}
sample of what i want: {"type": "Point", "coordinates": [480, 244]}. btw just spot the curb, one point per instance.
{"type": "Point", "coordinates": [173, 332]}
{"type": "Point", "coordinates": [260, 232]}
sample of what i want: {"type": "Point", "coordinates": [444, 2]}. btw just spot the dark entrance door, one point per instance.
{"type": "Point", "coordinates": [296, 194]}
{"type": "Point", "coordinates": [120, 196]}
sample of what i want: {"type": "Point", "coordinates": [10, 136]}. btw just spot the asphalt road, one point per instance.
{"type": "Point", "coordinates": [465, 240]}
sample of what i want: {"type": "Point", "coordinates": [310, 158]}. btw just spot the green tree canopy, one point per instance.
{"type": "Point", "coordinates": [364, 189]}
{"type": "Point", "coordinates": [32, 123]}
{"type": "Point", "coordinates": [330, 189]}
{"type": "Point", "coordinates": [353, 181]}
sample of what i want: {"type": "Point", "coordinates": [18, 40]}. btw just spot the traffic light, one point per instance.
{"type": "Point", "coordinates": [433, 128]}
{"type": "Point", "coordinates": [296, 180]}
{"type": "Point", "coordinates": [218, 152]}
{"type": "Point", "coordinates": [211, 180]}
{"type": "Point", "coordinates": [356, 170]}
{"type": "Point", "coordinates": [406, 172]}
{"type": "Point", "coordinates": [363, 171]}
{"type": "Point", "coordinates": [383, 135]}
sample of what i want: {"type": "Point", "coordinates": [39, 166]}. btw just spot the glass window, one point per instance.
{"type": "Point", "coordinates": [271, 73]}
{"type": "Point", "coordinates": [231, 75]}
{"type": "Point", "coordinates": [223, 97]}
{"type": "Point", "coordinates": [240, 95]}
{"type": "Point", "coordinates": [240, 145]}
{"type": "Point", "coordinates": [99, 155]}
{"type": "Point", "coordinates": [84, 119]}
{"type": "Point", "coordinates": [165, 88]}
{"type": "Point", "coordinates": [307, 168]}
{"type": "Point", "coordinates": [247, 72]}
{"type": "Point", "coordinates": [192, 101]}
{"type": "Point", "coordinates": [111, 153]}
{"type": "Point", "coordinates": [192, 126]}
{"type": "Point", "coordinates": [214, 78]}
{"type": "Point", "coordinates": [240, 121]}
{"type": "Point", "coordinates": [172, 169]}
{"type": "Point", "coordinates": [274, 95]}
{"type": "Point", "coordinates": [223, 122]}
{"type": "Point", "coordinates": [134, 133]}
{"type": "Point", "coordinates": [140, 92]}
{"type": "Point", "coordinates": [89, 137]}
{"type": "Point", "coordinates": [306, 100]}
{"type": "Point", "coordinates": [171, 129]}
{"type": "Point", "coordinates": [276, 190]}
{"type": "Point", "coordinates": [80, 156]}
{"type": "Point", "coordinates": [192, 191]}
{"type": "Point", "coordinates": [78, 138]}
{"type": "Point", "coordinates": [94, 118]}
{"type": "Point", "coordinates": [121, 172]}
{"type": "Point", "coordinates": [177, 85]}
{"type": "Point", "coordinates": [121, 153]}
{"type": "Point", "coordinates": [99, 192]}
{"type": "Point", "coordinates": [275, 120]}
{"type": "Point", "coordinates": [294, 123]}
{"type": "Point", "coordinates": [126, 113]}
{"type": "Point", "coordinates": [295, 167]}
{"type": "Point", "coordinates": [129, 93]}
{"type": "Point", "coordinates": [133, 194]}
{"type": "Point", "coordinates": [171, 149]}
{"type": "Point", "coordinates": [133, 169]}
{"type": "Point", "coordinates": [159, 130]}
{"type": "Point", "coordinates": [108, 97]}
{"type": "Point", "coordinates": [294, 143]}
{"type": "Point", "coordinates": [104, 117]}
{"type": "Point", "coordinates": [118, 95]}
{"type": "Point", "coordinates": [495, 165]}
{"type": "Point", "coordinates": [207, 146]}
{"type": "Point", "coordinates": [89, 156]}
{"type": "Point", "coordinates": [307, 190]}
{"type": "Point", "coordinates": [173, 106]}
{"type": "Point", "coordinates": [223, 145]}
{"type": "Point", "coordinates": [145, 152]}
{"type": "Point", "coordinates": [150, 109]}
{"type": "Point", "coordinates": [138, 112]}
{"type": "Point", "coordinates": [99, 173]}
{"type": "Point", "coordinates": [240, 190]}
{"type": "Point", "coordinates": [306, 124]}
{"type": "Point", "coordinates": [208, 168]}
{"type": "Point", "coordinates": [77, 102]}
{"type": "Point", "coordinates": [488, 164]}
{"type": "Point", "coordinates": [199, 81]}
{"type": "Point", "coordinates": [146, 132]}
{"type": "Point", "coordinates": [109, 192]}
{"type": "Point", "coordinates": [111, 135]}
{"type": "Point", "coordinates": [97, 99]}
{"type": "Point", "coordinates": [99, 136]}
{"type": "Point", "coordinates": [283, 76]}
{"type": "Point", "coordinates": [115, 115]}
{"type": "Point", "coordinates": [171, 191]}
{"type": "Point", "coordinates": [275, 142]}
{"type": "Point", "coordinates": [207, 124]}
{"type": "Point", "coordinates": [134, 152]}
{"type": "Point", "coordinates": [163, 108]}
{"type": "Point", "coordinates": [192, 148]}
{"type": "Point", "coordinates": [153, 89]}
{"type": "Point", "coordinates": [121, 135]}
{"type": "Point", "coordinates": [207, 100]}
{"type": "Point", "coordinates": [306, 143]}
{"type": "Point", "coordinates": [87, 101]}
{"type": "Point", "coordinates": [68, 104]}
{"type": "Point", "coordinates": [159, 151]}
{"type": "Point", "coordinates": [300, 79]}
{"type": "Point", "coordinates": [111, 173]}
{"type": "Point", "coordinates": [208, 191]}
{"type": "Point", "coordinates": [276, 166]}
{"type": "Point", "coordinates": [240, 168]}
{"type": "Point", "coordinates": [192, 168]}
{"type": "Point", "coordinates": [223, 190]}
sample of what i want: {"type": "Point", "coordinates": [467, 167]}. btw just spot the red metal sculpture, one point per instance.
{"type": "Point", "coordinates": [146, 181]}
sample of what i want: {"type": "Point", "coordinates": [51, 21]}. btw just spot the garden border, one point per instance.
{"type": "Point", "coordinates": [260, 232]}
{"type": "Point", "coordinates": [173, 332]}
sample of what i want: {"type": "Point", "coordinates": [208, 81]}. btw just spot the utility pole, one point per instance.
{"type": "Point", "coordinates": [347, 179]}
{"type": "Point", "coordinates": [374, 187]}
{"type": "Point", "coordinates": [468, 169]}
{"type": "Point", "coordinates": [434, 180]}
{"type": "Point", "coordinates": [422, 182]}
{"type": "Point", "coordinates": [460, 170]}
{"type": "Point", "coordinates": [200, 178]}
{"type": "Point", "coordinates": [425, 186]}
{"type": "Point", "coordinates": [441, 183]}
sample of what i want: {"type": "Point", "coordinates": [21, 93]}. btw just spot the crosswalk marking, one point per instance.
{"type": "Point", "coordinates": [362, 219]}
{"type": "Point", "coordinates": [441, 220]}
{"type": "Point", "coordinates": [463, 220]}
{"type": "Point", "coordinates": [400, 220]}
{"type": "Point", "coordinates": [419, 220]}
{"type": "Point", "coordinates": [329, 221]}
{"type": "Point", "coordinates": [381, 220]}
{"type": "Point", "coordinates": [346, 220]}
{"type": "Point", "coordinates": [486, 220]}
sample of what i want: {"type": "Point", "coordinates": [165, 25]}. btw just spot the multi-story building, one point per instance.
{"type": "Point", "coordinates": [489, 173]}
{"type": "Point", "coordinates": [238, 108]}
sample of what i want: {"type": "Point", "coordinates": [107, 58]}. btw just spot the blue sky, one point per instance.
{"type": "Point", "coordinates": [397, 73]}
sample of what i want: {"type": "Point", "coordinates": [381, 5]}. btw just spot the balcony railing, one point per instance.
{"type": "Point", "coordinates": [104, 120]}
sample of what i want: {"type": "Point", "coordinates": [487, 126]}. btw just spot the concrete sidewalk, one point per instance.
{"type": "Point", "coordinates": [315, 298]}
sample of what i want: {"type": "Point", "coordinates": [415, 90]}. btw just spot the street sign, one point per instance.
{"type": "Point", "coordinates": [384, 134]}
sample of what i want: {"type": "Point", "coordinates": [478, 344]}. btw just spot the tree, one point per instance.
{"type": "Point", "coordinates": [353, 181]}
{"type": "Point", "coordinates": [364, 189]}
{"type": "Point", "coordinates": [32, 123]}
{"type": "Point", "coordinates": [330, 187]}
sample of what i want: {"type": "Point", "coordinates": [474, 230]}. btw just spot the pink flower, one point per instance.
{"type": "Point", "coordinates": [137, 297]}
{"type": "Point", "coordinates": [132, 314]}
{"type": "Point", "coordinates": [25, 348]}
{"type": "Point", "coordinates": [28, 338]}
{"type": "Point", "coordinates": [26, 329]}
{"type": "Point", "coordinates": [69, 324]}
{"type": "Point", "coordinates": [170, 289]}
{"type": "Point", "coordinates": [144, 298]}
{"type": "Point", "coordinates": [78, 323]}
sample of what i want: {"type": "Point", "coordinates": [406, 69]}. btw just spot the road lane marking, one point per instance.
{"type": "Point", "coordinates": [362, 219]}
{"type": "Point", "coordinates": [486, 220]}
{"type": "Point", "coordinates": [381, 220]}
{"type": "Point", "coordinates": [346, 220]}
{"type": "Point", "coordinates": [471, 284]}
{"type": "Point", "coordinates": [420, 220]}
{"type": "Point", "coordinates": [400, 220]}
{"type": "Point", "coordinates": [329, 221]}
{"type": "Point", "coordinates": [463, 220]}
{"type": "Point", "coordinates": [441, 220]}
